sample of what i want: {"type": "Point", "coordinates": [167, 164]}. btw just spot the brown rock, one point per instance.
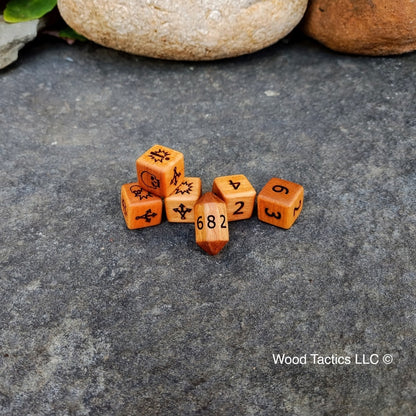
{"type": "Point", "coordinates": [184, 29]}
{"type": "Point", "coordinates": [366, 27]}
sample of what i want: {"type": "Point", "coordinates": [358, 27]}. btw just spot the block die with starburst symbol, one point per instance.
{"type": "Point", "coordinates": [237, 193]}
{"type": "Point", "coordinates": [160, 170]}
{"type": "Point", "coordinates": [140, 207]}
{"type": "Point", "coordinates": [180, 204]}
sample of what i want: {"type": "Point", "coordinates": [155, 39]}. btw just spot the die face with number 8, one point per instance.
{"type": "Point", "coordinates": [211, 224]}
{"type": "Point", "coordinates": [237, 193]}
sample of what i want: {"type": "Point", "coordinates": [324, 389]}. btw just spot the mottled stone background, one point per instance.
{"type": "Point", "coordinates": [97, 319]}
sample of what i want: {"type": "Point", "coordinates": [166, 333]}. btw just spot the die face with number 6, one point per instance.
{"type": "Point", "coordinates": [280, 202]}
{"type": "Point", "coordinates": [211, 224]}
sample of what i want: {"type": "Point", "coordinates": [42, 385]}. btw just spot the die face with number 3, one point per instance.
{"type": "Point", "coordinates": [140, 208]}
{"type": "Point", "coordinates": [180, 204]}
{"type": "Point", "coordinates": [211, 224]}
{"type": "Point", "coordinates": [237, 193]}
{"type": "Point", "coordinates": [160, 170]}
{"type": "Point", "coordinates": [280, 202]}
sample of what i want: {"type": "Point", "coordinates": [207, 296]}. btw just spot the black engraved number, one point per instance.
{"type": "Point", "coordinates": [272, 214]}
{"type": "Point", "coordinates": [235, 185]}
{"type": "Point", "coordinates": [199, 223]}
{"type": "Point", "coordinates": [297, 208]}
{"type": "Point", "coordinates": [238, 210]}
{"type": "Point", "coordinates": [280, 188]}
{"type": "Point", "coordinates": [211, 221]}
{"type": "Point", "coordinates": [223, 221]}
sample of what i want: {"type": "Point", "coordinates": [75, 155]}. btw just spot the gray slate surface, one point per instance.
{"type": "Point", "coordinates": [97, 319]}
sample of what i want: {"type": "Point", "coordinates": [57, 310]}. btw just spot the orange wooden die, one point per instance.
{"type": "Point", "coordinates": [140, 208]}
{"type": "Point", "coordinates": [237, 193]}
{"type": "Point", "coordinates": [280, 202]}
{"type": "Point", "coordinates": [180, 204]}
{"type": "Point", "coordinates": [211, 225]}
{"type": "Point", "coordinates": [160, 170]}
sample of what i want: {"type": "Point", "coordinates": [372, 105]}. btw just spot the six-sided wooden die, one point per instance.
{"type": "Point", "coordinates": [140, 208]}
{"type": "Point", "coordinates": [211, 225]}
{"type": "Point", "coordinates": [180, 204]}
{"type": "Point", "coordinates": [237, 193]}
{"type": "Point", "coordinates": [160, 170]}
{"type": "Point", "coordinates": [280, 202]}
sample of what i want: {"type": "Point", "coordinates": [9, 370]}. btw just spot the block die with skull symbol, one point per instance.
{"type": "Point", "coordinates": [160, 170]}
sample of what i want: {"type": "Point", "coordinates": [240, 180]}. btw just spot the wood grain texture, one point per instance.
{"type": "Point", "coordinates": [211, 224]}
{"type": "Point", "coordinates": [237, 193]}
{"type": "Point", "coordinates": [179, 206]}
{"type": "Point", "coordinates": [160, 170]}
{"type": "Point", "coordinates": [280, 202]}
{"type": "Point", "coordinates": [140, 208]}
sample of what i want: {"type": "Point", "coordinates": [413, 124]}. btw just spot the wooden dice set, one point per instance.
{"type": "Point", "coordinates": [161, 174]}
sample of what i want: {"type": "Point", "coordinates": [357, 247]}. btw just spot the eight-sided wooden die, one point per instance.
{"type": "Point", "coordinates": [280, 202]}
{"type": "Point", "coordinates": [140, 208]}
{"type": "Point", "coordinates": [180, 204]}
{"type": "Point", "coordinates": [211, 225]}
{"type": "Point", "coordinates": [160, 170]}
{"type": "Point", "coordinates": [237, 193]}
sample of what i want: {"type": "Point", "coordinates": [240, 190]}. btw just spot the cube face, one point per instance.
{"type": "Point", "coordinates": [180, 204]}
{"type": "Point", "coordinates": [211, 224]}
{"type": "Point", "coordinates": [160, 170]}
{"type": "Point", "coordinates": [280, 202]}
{"type": "Point", "coordinates": [238, 194]}
{"type": "Point", "coordinates": [140, 208]}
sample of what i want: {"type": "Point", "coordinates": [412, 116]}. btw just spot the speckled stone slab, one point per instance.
{"type": "Point", "coordinates": [97, 319]}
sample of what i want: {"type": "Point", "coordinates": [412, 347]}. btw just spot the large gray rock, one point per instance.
{"type": "Point", "coordinates": [184, 29]}
{"type": "Point", "coordinates": [13, 36]}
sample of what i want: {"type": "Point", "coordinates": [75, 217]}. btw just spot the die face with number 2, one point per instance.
{"type": "Point", "coordinates": [211, 224]}
{"type": "Point", "coordinates": [160, 170]}
{"type": "Point", "coordinates": [237, 193]}
{"type": "Point", "coordinates": [280, 202]}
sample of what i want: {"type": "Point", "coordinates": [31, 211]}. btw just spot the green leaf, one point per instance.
{"type": "Point", "coordinates": [69, 33]}
{"type": "Point", "coordinates": [24, 10]}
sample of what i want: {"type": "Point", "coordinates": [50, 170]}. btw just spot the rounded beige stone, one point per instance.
{"type": "Point", "coordinates": [184, 29]}
{"type": "Point", "coordinates": [366, 27]}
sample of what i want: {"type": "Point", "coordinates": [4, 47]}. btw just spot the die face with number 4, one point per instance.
{"type": "Point", "coordinates": [280, 202]}
{"type": "Point", "coordinates": [237, 193]}
{"type": "Point", "coordinates": [160, 170]}
{"type": "Point", "coordinates": [211, 225]}
{"type": "Point", "coordinates": [180, 204]}
{"type": "Point", "coordinates": [140, 208]}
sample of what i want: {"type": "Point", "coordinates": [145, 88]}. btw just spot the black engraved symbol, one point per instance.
{"type": "Point", "coordinates": [160, 155]}
{"type": "Point", "coordinates": [147, 216]}
{"type": "Point", "coordinates": [280, 188]}
{"type": "Point", "coordinates": [297, 208]}
{"type": "Point", "coordinates": [123, 205]}
{"type": "Point", "coordinates": [235, 185]}
{"type": "Point", "coordinates": [150, 180]}
{"type": "Point", "coordinates": [176, 176]}
{"type": "Point", "coordinates": [182, 210]}
{"type": "Point", "coordinates": [272, 214]}
{"type": "Point", "coordinates": [139, 192]}
{"type": "Point", "coordinates": [184, 188]}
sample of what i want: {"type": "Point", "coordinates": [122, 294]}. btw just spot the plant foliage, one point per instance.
{"type": "Point", "coordinates": [24, 10]}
